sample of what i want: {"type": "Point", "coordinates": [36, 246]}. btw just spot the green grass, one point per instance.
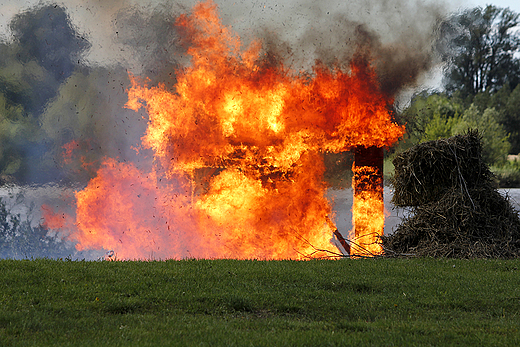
{"type": "Point", "coordinates": [370, 302]}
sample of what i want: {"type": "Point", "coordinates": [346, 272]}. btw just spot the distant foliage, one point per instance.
{"type": "Point", "coordinates": [434, 116]}
{"type": "Point", "coordinates": [494, 138]}
{"type": "Point", "coordinates": [507, 174]}
{"type": "Point", "coordinates": [425, 109]}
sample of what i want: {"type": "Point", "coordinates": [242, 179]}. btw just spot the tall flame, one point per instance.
{"type": "Point", "coordinates": [237, 148]}
{"type": "Point", "coordinates": [368, 217]}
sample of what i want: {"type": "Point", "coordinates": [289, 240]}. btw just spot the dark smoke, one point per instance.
{"type": "Point", "coordinates": [398, 37]}
{"type": "Point", "coordinates": [152, 38]}
{"type": "Point", "coordinates": [397, 65]}
{"type": "Point", "coordinates": [43, 53]}
{"type": "Point", "coordinates": [45, 36]}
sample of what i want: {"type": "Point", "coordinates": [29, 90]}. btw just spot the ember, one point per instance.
{"type": "Point", "coordinates": [238, 169]}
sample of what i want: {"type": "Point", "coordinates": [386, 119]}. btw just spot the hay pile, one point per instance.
{"type": "Point", "coordinates": [456, 211]}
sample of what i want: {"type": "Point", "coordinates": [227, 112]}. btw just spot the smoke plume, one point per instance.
{"type": "Point", "coordinates": [65, 68]}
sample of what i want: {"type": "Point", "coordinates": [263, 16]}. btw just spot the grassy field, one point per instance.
{"type": "Point", "coordinates": [370, 302]}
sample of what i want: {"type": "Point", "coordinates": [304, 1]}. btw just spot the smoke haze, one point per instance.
{"type": "Point", "coordinates": [64, 67]}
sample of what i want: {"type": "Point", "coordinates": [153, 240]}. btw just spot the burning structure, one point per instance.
{"type": "Point", "coordinates": [238, 149]}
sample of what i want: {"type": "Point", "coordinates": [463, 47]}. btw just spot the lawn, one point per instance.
{"type": "Point", "coordinates": [364, 302]}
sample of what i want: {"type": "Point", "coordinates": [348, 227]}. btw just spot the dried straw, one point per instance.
{"type": "Point", "coordinates": [424, 172]}
{"type": "Point", "coordinates": [456, 210]}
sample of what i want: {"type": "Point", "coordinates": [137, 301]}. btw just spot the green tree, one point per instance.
{"type": "Point", "coordinates": [495, 144]}
{"type": "Point", "coordinates": [510, 118]}
{"type": "Point", "coordinates": [430, 116]}
{"type": "Point", "coordinates": [441, 126]}
{"type": "Point", "coordinates": [435, 116]}
{"type": "Point", "coordinates": [18, 130]}
{"type": "Point", "coordinates": [482, 45]}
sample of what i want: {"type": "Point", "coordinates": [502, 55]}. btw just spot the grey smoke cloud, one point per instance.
{"type": "Point", "coordinates": [312, 29]}
{"type": "Point", "coordinates": [400, 35]}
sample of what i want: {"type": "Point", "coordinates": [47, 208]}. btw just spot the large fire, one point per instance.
{"type": "Point", "coordinates": [238, 152]}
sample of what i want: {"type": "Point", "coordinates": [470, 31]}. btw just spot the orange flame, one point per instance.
{"type": "Point", "coordinates": [238, 170]}
{"type": "Point", "coordinates": [367, 213]}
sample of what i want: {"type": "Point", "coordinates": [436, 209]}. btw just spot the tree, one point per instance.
{"type": "Point", "coordinates": [17, 131]}
{"type": "Point", "coordinates": [441, 126]}
{"type": "Point", "coordinates": [482, 50]}
{"type": "Point", "coordinates": [430, 116]}
{"type": "Point", "coordinates": [435, 116]}
{"type": "Point", "coordinates": [511, 119]}
{"type": "Point", "coordinates": [495, 144]}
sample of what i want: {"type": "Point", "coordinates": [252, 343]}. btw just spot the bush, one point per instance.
{"type": "Point", "coordinates": [507, 174]}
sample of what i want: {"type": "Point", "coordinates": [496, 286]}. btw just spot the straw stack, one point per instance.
{"type": "Point", "coordinates": [455, 209]}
